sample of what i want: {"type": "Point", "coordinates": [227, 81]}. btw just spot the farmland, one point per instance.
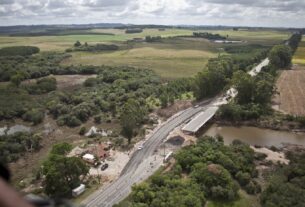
{"type": "Point", "coordinates": [290, 85]}
{"type": "Point", "coordinates": [62, 42]}
{"type": "Point", "coordinates": [299, 56]}
{"type": "Point", "coordinates": [173, 57]}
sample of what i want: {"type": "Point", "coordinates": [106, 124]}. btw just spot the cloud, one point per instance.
{"type": "Point", "coordinates": [220, 12]}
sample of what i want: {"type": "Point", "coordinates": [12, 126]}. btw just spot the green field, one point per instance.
{"type": "Point", "coordinates": [299, 56]}
{"type": "Point", "coordinates": [265, 37]}
{"type": "Point", "coordinates": [60, 43]}
{"type": "Point", "coordinates": [171, 58]}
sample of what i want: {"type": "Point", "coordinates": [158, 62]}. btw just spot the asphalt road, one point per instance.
{"type": "Point", "coordinates": [142, 164]}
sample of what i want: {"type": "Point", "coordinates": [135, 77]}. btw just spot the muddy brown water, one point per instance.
{"type": "Point", "coordinates": [256, 136]}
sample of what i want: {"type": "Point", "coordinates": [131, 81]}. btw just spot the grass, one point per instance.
{"type": "Point", "coordinates": [266, 37]}
{"type": "Point", "coordinates": [299, 56]}
{"type": "Point", "coordinates": [172, 58]}
{"type": "Point", "coordinates": [60, 43]}
{"type": "Point", "coordinates": [168, 59]}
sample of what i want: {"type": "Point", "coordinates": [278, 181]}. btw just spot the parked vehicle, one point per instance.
{"type": "Point", "coordinates": [104, 166]}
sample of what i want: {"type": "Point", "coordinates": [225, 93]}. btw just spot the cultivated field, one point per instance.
{"type": "Point", "coordinates": [299, 56]}
{"type": "Point", "coordinates": [291, 88]}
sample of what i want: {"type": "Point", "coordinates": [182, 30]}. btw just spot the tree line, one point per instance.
{"type": "Point", "coordinates": [209, 36]}
{"type": "Point", "coordinates": [19, 50]}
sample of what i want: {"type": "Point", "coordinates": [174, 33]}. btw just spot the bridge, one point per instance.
{"type": "Point", "coordinates": [203, 117]}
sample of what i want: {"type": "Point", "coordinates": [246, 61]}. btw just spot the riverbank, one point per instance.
{"type": "Point", "coordinates": [277, 122]}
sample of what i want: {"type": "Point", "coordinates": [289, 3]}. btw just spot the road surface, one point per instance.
{"type": "Point", "coordinates": [139, 166]}
{"type": "Point", "coordinates": [145, 162]}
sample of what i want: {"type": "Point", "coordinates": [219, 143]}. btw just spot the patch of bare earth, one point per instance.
{"type": "Point", "coordinates": [290, 97]}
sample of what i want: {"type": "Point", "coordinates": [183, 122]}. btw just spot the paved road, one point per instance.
{"type": "Point", "coordinates": [144, 162]}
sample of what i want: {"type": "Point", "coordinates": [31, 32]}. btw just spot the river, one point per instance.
{"type": "Point", "coordinates": [256, 136]}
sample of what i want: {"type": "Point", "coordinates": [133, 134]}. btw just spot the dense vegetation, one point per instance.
{"type": "Point", "coordinates": [105, 94]}
{"type": "Point", "coordinates": [294, 41]}
{"type": "Point", "coordinates": [212, 80]}
{"type": "Point", "coordinates": [209, 36]}
{"type": "Point", "coordinates": [41, 86]}
{"type": "Point", "coordinates": [62, 174]}
{"type": "Point", "coordinates": [92, 48]}
{"type": "Point", "coordinates": [18, 50]}
{"type": "Point", "coordinates": [133, 30]}
{"type": "Point", "coordinates": [15, 102]}
{"type": "Point", "coordinates": [253, 98]}
{"type": "Point", "coordinates": [15, 145]}
{"type": "Point", "coordinates": [173, 90]}
{"type": "Point", "coordinates": [280, 56]}
{"type": "Point", "coordinates": [286, 185]}
{"type": "Point", "coordinates": [153, 39]}
{"type": "Point", "coordinates": [33, 66]}
{"type": "Point", "coordinates": [219, 71]}
{"type": "Point", "coordinates": [208, 170]}
{"type": "Point", "coordinates": [254, 93]}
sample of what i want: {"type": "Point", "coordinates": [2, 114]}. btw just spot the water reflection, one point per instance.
{"type": "Point", "coordinates": [256, 136]}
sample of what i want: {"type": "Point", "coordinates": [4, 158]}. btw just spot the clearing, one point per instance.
{"type": "Point", "coordinates": [291, 91]}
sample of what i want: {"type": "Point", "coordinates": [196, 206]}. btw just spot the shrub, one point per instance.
{"type": "Point", "coordinates": [243, 178]}
{"type": "Point", "coordinates": [36, 116]}
{"type": "Point", "coordinates": [82, 130]}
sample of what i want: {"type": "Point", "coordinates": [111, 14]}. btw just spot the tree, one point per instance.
{"type": "Point", "coordinates": [61, 148]}
{"type": "Point", "coordinates": [264, 88]}
{"type": "Point", "coordinates": [245, 86]}
{"type": "Point", "coordinates": [77, 44]}
{"type": "Point", "coordinates": [132, 115]}
{"type": "Point", "coordinates": [280, 56]}
{"type": "Point", "coordinates": [17, 79]}
{"type": "Point", "coordinates": [34, 115]}
{"type": "Point", "coordinates": [62, 174]}
{"type": "Point", "coordinates": [164, 100]}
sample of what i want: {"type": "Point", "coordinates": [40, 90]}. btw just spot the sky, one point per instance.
{"type": "Point", "coordinates": [262, 13]}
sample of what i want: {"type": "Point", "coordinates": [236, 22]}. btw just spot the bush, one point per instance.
{"type": "Point", "coordinates": [253, 188]}
{"type": "Point", "coordinates": [73, 121]}
{"type": "Point", "coordinates": [90, 82]}
{"type": "Point", "coordinates": [82, 130]}
{"type": "Point", "coordinates": [36, 116]}
{"type": "Point", "coordinates": [43, 85]}
{"type": "Point", "coordinates": [243, 178]}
